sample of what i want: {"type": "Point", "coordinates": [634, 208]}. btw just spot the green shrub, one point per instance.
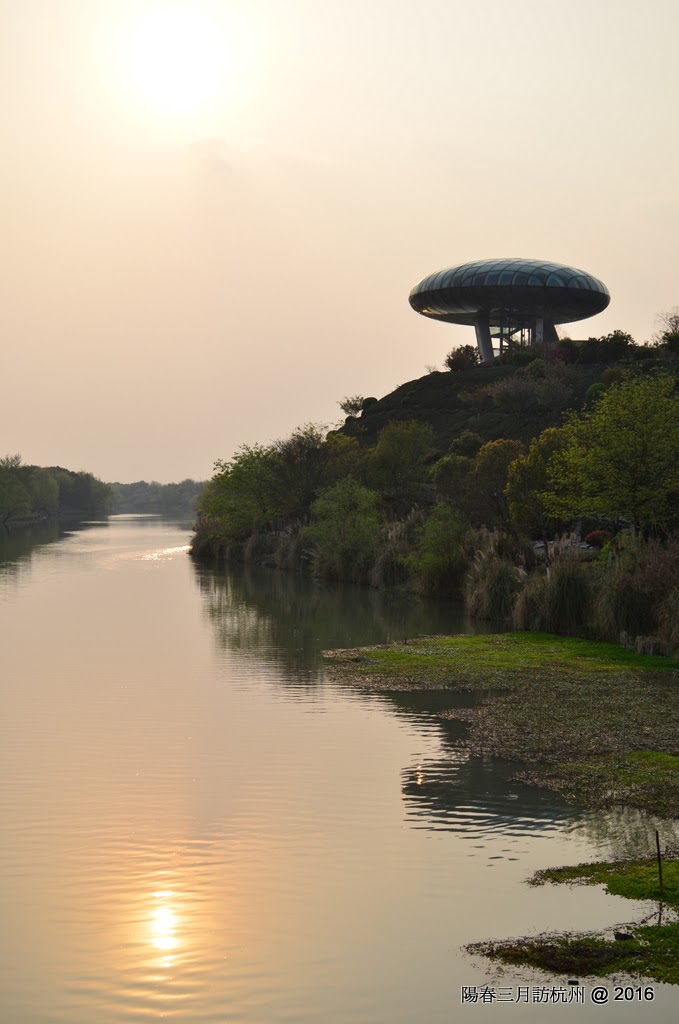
{"type": "Point", "coordinates": [467, 444]}
{"type": "Point", "coordinates": [536, 369]}
{"type": "Point", "coordinates": [466, 357]}
{"type": "Point", "coordinates": [523, 356]}
{"type": "Point", "coordinates": [344, 531]}
{"type": "Point", "coordinates": [441, 559]}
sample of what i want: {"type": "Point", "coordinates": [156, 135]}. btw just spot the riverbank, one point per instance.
{"type": "Point", "coordinates": [644, 950]}
{"type": "Point", "coordinates": [595, 722]}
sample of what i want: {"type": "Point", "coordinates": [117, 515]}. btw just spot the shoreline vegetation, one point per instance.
{"type": "Point", "coordinates": [641, 950]}
{"type": "Point", "coordinates": [152, 498]}
{"type": "Point", "coordinates": [31, 495]}
{"type": "Point", "coordinates": [596, 723]}
{"type": "Point", "coordinates": [543, 490]}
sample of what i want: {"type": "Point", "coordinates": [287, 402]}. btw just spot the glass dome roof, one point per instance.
{"type": "Point", "coordinates": [502, 288]}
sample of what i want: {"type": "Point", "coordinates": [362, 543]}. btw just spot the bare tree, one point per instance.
{"type": "Point", "coordinates": [351, 406]}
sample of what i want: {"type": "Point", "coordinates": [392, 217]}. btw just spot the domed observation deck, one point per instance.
{"type": "Point", "coordinates": [513, 300]}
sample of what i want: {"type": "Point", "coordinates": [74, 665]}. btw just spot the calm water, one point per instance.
{"type": "Point", "coordinates": [198, 826]}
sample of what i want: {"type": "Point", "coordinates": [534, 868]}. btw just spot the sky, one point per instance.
{"type": "Point", "coordinates": [213, 211]}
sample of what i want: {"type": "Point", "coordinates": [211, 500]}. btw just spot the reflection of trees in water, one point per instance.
{"type": "Point", "coordinates": [289, 619]}
{"type": "Point", "coordinates": [629, 832]}
{"type": "Point", "coordinates": [18, 543]}
{"type": "Point", "coordinates": [477, 796]}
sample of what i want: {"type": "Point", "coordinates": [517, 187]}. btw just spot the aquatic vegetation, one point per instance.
{"type": "Point", "coordinates": [642, 950]}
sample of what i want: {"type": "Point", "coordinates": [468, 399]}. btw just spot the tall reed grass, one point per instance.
{"type": "Point", "coordinates": [491, 586]}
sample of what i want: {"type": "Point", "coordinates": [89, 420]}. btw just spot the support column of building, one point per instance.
{"type": "Point", "coordinates": [545, 333]}
{"type": "Point", "coordinates": [539, 331]}
{"type": "Point", "coordinates": [483, 339]}
{"type": "Point", "coordinates": [551, 337]}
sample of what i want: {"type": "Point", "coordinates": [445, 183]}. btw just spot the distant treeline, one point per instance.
{"type": "Point", "coordinates": [163, 499]}
{"type": "Point", "coordinates": [31, 493]}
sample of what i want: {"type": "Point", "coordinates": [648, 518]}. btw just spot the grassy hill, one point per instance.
{"type": "Point", "coordinates": [454, 402]}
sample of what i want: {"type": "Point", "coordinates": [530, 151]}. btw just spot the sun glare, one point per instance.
{"type": "Point", "coordinates": [163, 924]}
{"type": "Point", "coordinates": [176, 61]}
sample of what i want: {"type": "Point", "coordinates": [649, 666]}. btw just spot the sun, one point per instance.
{"type": "Point", "coordinates": [176, 60]}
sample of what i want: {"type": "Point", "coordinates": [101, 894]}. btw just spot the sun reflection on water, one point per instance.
{"type": "Point", "coordinates": [163, 925]}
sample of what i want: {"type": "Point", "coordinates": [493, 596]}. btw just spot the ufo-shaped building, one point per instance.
{"type": "Point", "coordinates": [514, 301]}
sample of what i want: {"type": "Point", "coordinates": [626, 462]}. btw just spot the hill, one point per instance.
{"type": "Point", "coordinates": [511, 402]}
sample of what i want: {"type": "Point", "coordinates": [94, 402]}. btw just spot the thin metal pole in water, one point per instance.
{"type": "Point", "coordinates": [657, 847]}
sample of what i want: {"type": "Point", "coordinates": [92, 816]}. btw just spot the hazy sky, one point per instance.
{"type": "Point", "coordinates": [213, 212]}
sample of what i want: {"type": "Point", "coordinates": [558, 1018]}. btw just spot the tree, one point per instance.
{"type": "Point", "coordinates": [440, 559]}
{"type": "Point", "coordinates": [620, 459]}
{"type": "Point", "coordinates": [668, 323]}
{"type": "Point", "coordinates": [396, 464]}
{"type": "Point", "coordinates": [307, 462]}
{"type": "Point", "coordinates": [44, 492]}
{"type": "Point", "coordinates": [486, 493]}
{"type": "Point", "coordinates": [351, 406]}
{"type": "Point", "coordinates": [280, 481]}
{"type": "Point", "coordinates": [450, 476]}
{"type": "Point", "coordinates": [532, 397]}
{"type": "Point", "coordinates": [344, 530]}
{"type": "Point", "coordinates": [608, 349]}
{"type": "Point", "coordinates": [243, 494]}
{"type": "Point", "coordinates": [15, 501]}
{"type": "Point", "coordinates": [463, 358]}
{"type": "Point", "coordinates": [668, 330]}
{"type": "Point", "coordinates": [467, 444]}
{"type": "Point", "coordinates": [528, 481]}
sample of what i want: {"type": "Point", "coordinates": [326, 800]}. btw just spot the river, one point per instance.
{"type": "Point", "coordinates": [199, 825]}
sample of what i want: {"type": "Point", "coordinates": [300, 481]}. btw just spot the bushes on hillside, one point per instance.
{"type": "Point", "coordinates": [463, 358]}
{"type": "Point", "coordinates": [344, 531]}
{"type": "Point", "coordinates": [404, 514]}
{"type": "Point", "coordinates": [441, 556]}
